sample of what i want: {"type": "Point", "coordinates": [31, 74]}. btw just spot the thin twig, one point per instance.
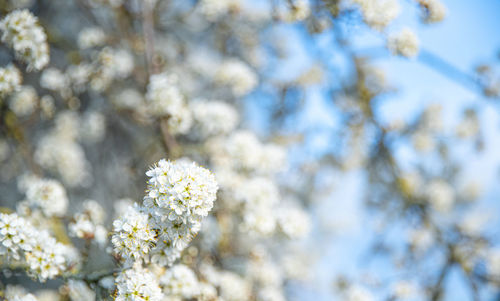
{"type": "Point", "coordinates": [148, 31]}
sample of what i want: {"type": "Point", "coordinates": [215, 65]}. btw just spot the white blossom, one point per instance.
{"type": "Point", "coordinates": [45, 258]}
{"type": "Point", "coordinates": [17, 293]}
{"type": "Point", "coordinates": [24, 101]}
{"type": "Point", "coordinates": [47, 195]}
{"type": "Point", "coordinates": [233, 287]}
{"type": "Point", "coordinates": [53, 79]}
{"type": "Point", "coordinates": [213, 117]}
{"type": "Point", "coordinates": [294, 222]}
{"type": "Point", "coordinates": [20, 30]}
{"type": "Point", "coordinates": [433, 11]}
{"type": "Point", "coordinates": [404, 43]}
{"type": "Point", "coordinates": [213, 9]}
{"type": "Point", "coordinates": [378, 13]}
{"type": "Point", "coordinates": [93, 126]}
{"type": "Point", "coordinates": [180, 281]}
{"type": "Point", "coordinates": [133, 235]}
{"type": "Point", "coordinates": [179, 195]}
{"type": "Point", "coordinates": [166, 100]}
{"type": "Point", "coordinates": [137, 284]}
{"type": "Point", "coordinates": [10, 79]}
{"type": "Point", "coordinates": [238, 75]}
{"type": "Point", "coordinates": [91, 37]}
{"type": "Point", "coordinates": [441, 195]}
{"type": "Point", "coordinates": [80, 291]}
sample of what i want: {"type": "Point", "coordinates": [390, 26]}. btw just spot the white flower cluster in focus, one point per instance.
{"type": "Point", "coordinates": [43, 256]}
{"type": "Point", "coordinates": [133, 235]}
{"type": "Point", "coordinates": [137, 284]}
{"type": "Point", "coordinates": [179, 195]}
{"type": "Point", "coordinates": [20, 29]}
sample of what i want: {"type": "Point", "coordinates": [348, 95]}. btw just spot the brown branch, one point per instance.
{"type": "Point", "coordinates": [148, 31]}
{"type": "Point", "coordinates": [168, 140]}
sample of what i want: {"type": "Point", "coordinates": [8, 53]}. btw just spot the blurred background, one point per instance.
{"type": "Point", "coordinates": [386, 144]}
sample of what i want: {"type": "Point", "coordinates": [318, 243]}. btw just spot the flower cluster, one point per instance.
{"type": "Point", "coordinates": [137, 284]}
{"type": "Point", "coordinates": [213, 118]}
{"type": "Point", "coordinates": [47, 195]}
{"type": "Point", "coordinates": [378, 13]}
{"type": "Point", "coordinates": [432, 10]}
{"type": "Point", "coordinates": [110, 64]}
{"type": "Point", "coordinates": [10, 79]}
{"type": "Point", "coordinates": [58, 151]}
{"type": "Point", "coordinates": [179, 195]}
{"type": "Point", "coordinates": [180, 281]}
{"type": "Point", "coordinates": [133, 235]}
{"type": "Point", "coordinates": [91, 37]}
{"type": "Point", "coordinates": [166, 100]}
{"type": "Point", "coordinates": [213, 9]}
{"type": "Point", "coordinates": [20, 29]}
{"type": "Point", "coordinates": [403, 43]}
{"type": "Point", "coordinates": [24, 101]}
{"type": "Point", "coordinates": [42, 255]}
{"type": "Point", "coordinates": [239, 76]}
{"type": "Point", "coordinates": [88, 224]}
{"type": "Point", "coordinates": [17, 293]}
{"type": "Point", "coordinates": [298, 11]}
